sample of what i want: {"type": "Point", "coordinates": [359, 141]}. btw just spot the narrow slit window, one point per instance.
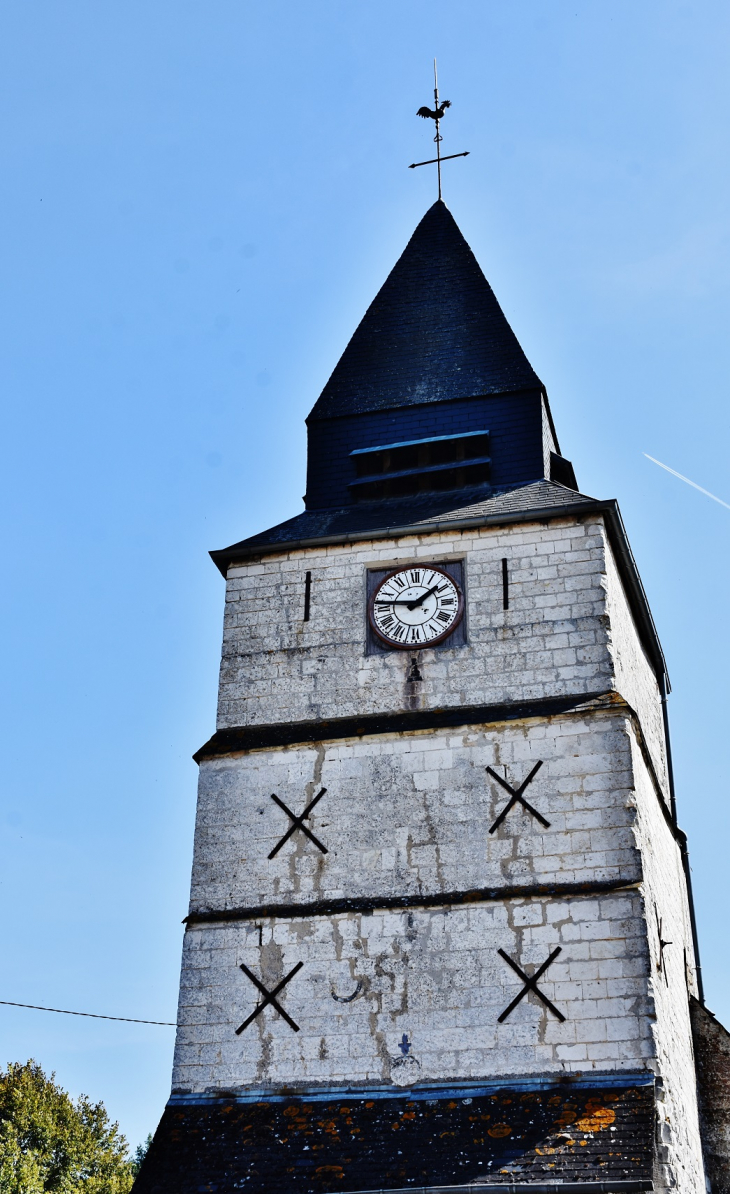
{"type": "Point", "coordinates": [505, 585]}
{"type": "Point", "coordinates": [307, 595]}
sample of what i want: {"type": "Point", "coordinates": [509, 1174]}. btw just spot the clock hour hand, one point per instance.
{"type": "Point", "coordinates": [422, 598]}
{"type": "Point", "coordinates": [411, 604]}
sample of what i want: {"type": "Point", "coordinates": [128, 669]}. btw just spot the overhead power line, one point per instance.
{"type": "Point", "coordinates": [93, 1015]}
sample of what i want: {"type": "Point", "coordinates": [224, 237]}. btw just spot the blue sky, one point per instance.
{"type": "Point", "coordinates": [199, 202]}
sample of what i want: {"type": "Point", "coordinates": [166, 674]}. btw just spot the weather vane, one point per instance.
{"type": "Point", "coordinates": [437, 115]}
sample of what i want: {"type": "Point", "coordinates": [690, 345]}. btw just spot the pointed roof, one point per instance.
{"type": "Point", "coordinates": [435, 331]}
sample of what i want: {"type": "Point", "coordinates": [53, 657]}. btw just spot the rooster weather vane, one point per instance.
{"type": "Point", "coordinates": [437, 113]}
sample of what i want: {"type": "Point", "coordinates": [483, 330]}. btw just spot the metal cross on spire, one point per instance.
{"type": "Point", "coordinates": [437, 115]}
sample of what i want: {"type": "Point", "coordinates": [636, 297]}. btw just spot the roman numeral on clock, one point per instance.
{"type": "Point", "coordinates": [415, 607]}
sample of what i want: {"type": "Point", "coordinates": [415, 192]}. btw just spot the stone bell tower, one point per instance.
{"type": "Point", "coordinates": [440, 931]}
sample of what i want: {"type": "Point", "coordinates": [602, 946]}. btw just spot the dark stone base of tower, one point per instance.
{"type": "Point", "coordinates": [440, 933]}
{"type": "Point", "coordinates": [576, 1135]}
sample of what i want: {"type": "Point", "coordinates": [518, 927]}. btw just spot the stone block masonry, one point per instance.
{"type": "Point", "coordinates": [410, 814]}
{"type": "Point", "coordinates": [671, 979]}
{"type": "Point", "coordinates": [276, 667]}
{"type": "Point", "coordinates": [416, 995]}
{"type": "Point", "coordinates": [568, 630]}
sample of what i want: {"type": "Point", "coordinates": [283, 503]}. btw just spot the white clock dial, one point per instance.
{"type": "Point", "coordinates": [416, 607]}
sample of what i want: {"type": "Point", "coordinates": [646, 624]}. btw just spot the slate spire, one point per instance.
{"type": "Point", "coordinates": [434, 332]}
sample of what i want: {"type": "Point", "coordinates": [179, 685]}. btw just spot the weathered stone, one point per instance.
{"type": "Point", "coordinates": [712, 1053]}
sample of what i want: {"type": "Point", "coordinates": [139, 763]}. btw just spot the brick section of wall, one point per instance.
{"type": "Point", "coordinates": [429, 987]}
{"type": "Point", "coordinates": [551, 641]}
{"type": "Point", "coordinates": [515, 423]}
{"type": "Point", "coordinates": [411, 813]}
{"type": "Point", "coordinates": [712, 1053]}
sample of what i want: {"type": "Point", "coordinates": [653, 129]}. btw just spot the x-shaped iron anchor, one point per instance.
{"type": "Point", "coordinates": [298, 823]}
{"type": "Point", "coordinates": [530, 982]}
{"type": "Point", "coordinates": [517, 797]}
{"type": "Point", "coordinates": [269, 998]}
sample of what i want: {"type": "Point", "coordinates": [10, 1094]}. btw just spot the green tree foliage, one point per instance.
{"type": "Point", "coordinates": [49, 1143]}
{"type": "Point", "coordinates": [139, 1154]}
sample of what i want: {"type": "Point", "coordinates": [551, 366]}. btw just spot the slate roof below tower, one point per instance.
{"type": "Point", "coordinates": [381, 518]}
{"type": "Point", "coordinates": [569, 1138]}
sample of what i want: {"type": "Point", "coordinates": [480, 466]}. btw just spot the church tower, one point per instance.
{"type": "Point", "coordinates": [440, 931]}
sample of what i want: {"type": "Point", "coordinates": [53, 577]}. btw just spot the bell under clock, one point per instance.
{"type": "Point", "coordinates": [416, 607]}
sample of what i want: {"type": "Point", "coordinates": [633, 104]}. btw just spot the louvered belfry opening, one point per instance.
{"type": "Point", "coordinates": [432, 465]}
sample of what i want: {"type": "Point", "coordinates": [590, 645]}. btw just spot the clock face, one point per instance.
{"type": "Point", "coordinates": [416, 607]}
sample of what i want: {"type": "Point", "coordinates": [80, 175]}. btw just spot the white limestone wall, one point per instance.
{"type": "Point", "coordinates": [432, 974]}
{"type": "Point", "coordinates": [551, 641]}
{"type": "Point", "coordinates": [431, 981]}
{"type": "Point", "coordinates": [634, 675]}
{"type": "Point", "coordinates": [665, 898]}
{"type": "Point", "coordinates": [411, 813]}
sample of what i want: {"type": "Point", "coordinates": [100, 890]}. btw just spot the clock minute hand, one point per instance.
{"type": "Point", "coordinates": [422, 598]}
{"type": "Point", "coordinates": [411, 604]}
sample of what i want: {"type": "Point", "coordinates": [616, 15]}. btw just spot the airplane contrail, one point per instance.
{"type": "Point", "coordinates": [692, 483]}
